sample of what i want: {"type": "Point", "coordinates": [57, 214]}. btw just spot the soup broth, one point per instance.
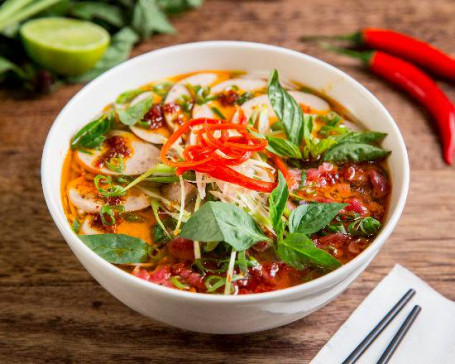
{"type": "Point", "coordinates": [225, 182]}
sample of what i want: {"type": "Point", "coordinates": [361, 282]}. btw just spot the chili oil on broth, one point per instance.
{"type": "Point", "coordinates": [364, 186]}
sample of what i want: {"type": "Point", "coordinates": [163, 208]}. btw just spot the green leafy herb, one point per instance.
{"type": "Point", "coordinates": [277, 126]}
{"type": "Point", "coordinates": [243, 98]}
{"type": "Point", "coordinates": [6, 65]}
{"type": "Point", "coordinates": [148, 18]}
{"type": "Point", "coordinates": [336, 227]}
{"type": "Point", "coordinates": [118, 248]}
{"type": "Point", "coordinates": [218, 112]}
{"type": "Point", "coordinates": [283, 147]}
{"type": "Point", "coordinates": [118, 51]}
{"type": "Point", "coordinates": [219, 221]}
{"type": "Point", "coordinates": [287, 110]}
{"type": "Point", "coordinates": [243, 263]}
{"type": "Point", "coordinates": [185, 102]}
{"type": "Point", "coordinates": [178, 6]}
{"type": "Point", "coordinates": [367, 137]}
{"type": "Point", "coordinates": [162, 88]}
{"type": "Point", "coordinates": [332, 125]}
{"type": "Point", "coordinates": [312, 217]}
{"type": "Point", "coordinates": [199, 94]}
{"type": "Point", "coordinates": [92, 135]}
{"type": "Point", "coordinates": [129, 96]}
{"type": "Point", "coordinates": [277, 205]}
{"type": "Point", "coordinates": [354, 152]}
{"type": "Point", "coordinates": [95, 10]}
{"type": "Point", "coordinates": [299, 251]}
{"type": "Point", "coordinates": [366, 227]}
{"type": "Point", "coordinates": [132, 217]}
{"type": "Point", "coordinates": [136, 112]}
{"type": "Point", "coordinates": [76, 226]}
{"type": "Point", "coordinates": [160, 231]}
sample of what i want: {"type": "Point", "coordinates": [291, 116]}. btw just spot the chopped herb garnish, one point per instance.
{"type": "Point", "coordinates": [107, 215]}
{"type": "Point", "coordinates": [76, 226]}
{"type": "Point", "coordinates": [218, 113]}
{"type": "Point", "coordinates": [116, 164]}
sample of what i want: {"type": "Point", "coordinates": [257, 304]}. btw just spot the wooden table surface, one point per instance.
{"type": "Point", "coordinates": [51, 310]}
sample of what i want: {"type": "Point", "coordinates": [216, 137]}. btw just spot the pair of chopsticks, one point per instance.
{"type": "Point", "coordinates": [377, 330]}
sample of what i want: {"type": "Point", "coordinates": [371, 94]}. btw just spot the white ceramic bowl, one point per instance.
{"type": "Point", "coordinates": [217, 313]}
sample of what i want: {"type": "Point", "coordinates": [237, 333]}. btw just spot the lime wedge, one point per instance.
{"type": "Point", "coordinates": [66, 46]}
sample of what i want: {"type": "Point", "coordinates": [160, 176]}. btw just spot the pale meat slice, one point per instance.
{"type": "Point", "coordinates": [244, 84]}
{"type": "Point", "coordinates": [84, 195]}
{"type": "Point", "coordinates": [172, 192]}
{"type": "Point", "coordinates": [180, 89]}
{"type": "Point", "coordinates": [142, 157]}
{"type": "Point", "coordinates": [302, 98]}
{"type": "Point", "coordinates": [154, 136]}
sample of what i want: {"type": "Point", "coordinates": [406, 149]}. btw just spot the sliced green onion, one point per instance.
{"type": "Point", "coordinates": [302, 179]}
{"type": "Point", "coordinates": [182, 206]}
{"type": "Point", "coordinates": [155, 205]}
{"type": "Point", "coordinates": [113, 190]}
{"type": "Point", "coordinates": [176, 282]}
{"type": "Point", "coordinates": [107, 210]}
{"type": "Point", "coordinates": [218, 112]}
{"type": "Point", "coordinates": [230, 272]}
{"type": "Point", "coordinates": [243, 263]}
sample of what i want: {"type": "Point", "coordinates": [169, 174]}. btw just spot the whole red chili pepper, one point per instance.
{"type": "Point", "coordinates": [417, 84]}
{"type": "Point", "coordinates": [414, 50]}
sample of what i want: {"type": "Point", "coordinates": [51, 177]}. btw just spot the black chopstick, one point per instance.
{"type": "Point", "coordinates": [371, 337]}
{"type": "Point", "coordinates": [402, 331]}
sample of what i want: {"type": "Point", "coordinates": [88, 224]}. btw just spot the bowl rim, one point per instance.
{"type": "Point", "coordinates": [323, 281]}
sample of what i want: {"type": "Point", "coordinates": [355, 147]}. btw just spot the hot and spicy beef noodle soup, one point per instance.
{"type": "Point", "coordinates": [225, 183]}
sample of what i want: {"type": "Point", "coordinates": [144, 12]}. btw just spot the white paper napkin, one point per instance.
{"type": "Point", "coordinates": [431, 339]}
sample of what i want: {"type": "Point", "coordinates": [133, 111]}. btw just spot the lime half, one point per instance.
{"type": "Point", "coordinates": [66, 46]}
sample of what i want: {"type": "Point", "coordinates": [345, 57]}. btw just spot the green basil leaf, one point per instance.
{"type": "Point", "coordinates": [119, 50]}
{"type": "Point", "coordinates": [94, 10]}
{"type": "Point", "coordinates": [283, 147]}
{"type": "Point", "coordinates": [367, 227]}
{"type": "Point", "coordinates": [307, 128]}
{"type": "Point", "coordinates": [366, 137]}
{"type": "Point", "coordinates": [312, 217]}
{"type": "Point", "coordinates": [135, 113]}
{"type": "Point", "coordinates": [277, 205]}
{"type": "Point", "coordinates": [219, 221]}
{"type": "Point", "coordinates": [179, 6]}
{"type": "Point", "coordinates": [316, 147]}
{"type": "Point", "coordinates": [149, 18]}
{"type": "Point", "coordinates": [129, 96]}
{"type": "Point", "coordinates": [76, 225]}
{"type": "Point", "coordinates": [354, 152]}
{"type": "Point", "coordinates": [287, 109]}
{"type": "Point", "coordinates": [159, 235]}
{"type": "Point", "coordinates": [117, 248]}
{"type": "Point", "coordinates": [6, 65]}
{"type": "Point", "coordinates": [92, 134]}
{"type": "Point", "coordinates": [299, 251]}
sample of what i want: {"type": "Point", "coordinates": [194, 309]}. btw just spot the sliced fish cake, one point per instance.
{"type": "Point", "coordinates": [140, 155]}
{"type": "Point", "coordinates": [83, 194]}
{"type": "Point", "coordinates": [311, 101]}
